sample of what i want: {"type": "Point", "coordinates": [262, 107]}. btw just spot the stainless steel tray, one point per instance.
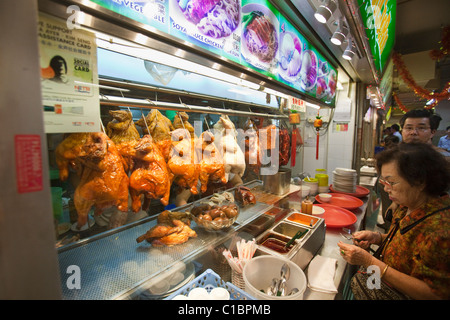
{"type": "Point", "coordinates": [305, 248]}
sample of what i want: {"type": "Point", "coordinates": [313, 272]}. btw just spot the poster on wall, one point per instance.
{"type": "Point", "coordinates": [69, 79]}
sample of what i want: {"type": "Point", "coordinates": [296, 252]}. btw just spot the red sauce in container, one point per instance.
{"type": "Point", "coordinates": [276, 245]}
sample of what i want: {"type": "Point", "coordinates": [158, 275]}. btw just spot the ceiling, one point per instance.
{"type": "Point", "coordinates": [418, 30]}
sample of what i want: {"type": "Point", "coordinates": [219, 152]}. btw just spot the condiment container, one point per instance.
{"type": "Point", "coordinates": [322, 177]}
{"type": "Point", "coordinates": [307, 206]}
{"type": "Point", "coordinates": [313, 183]}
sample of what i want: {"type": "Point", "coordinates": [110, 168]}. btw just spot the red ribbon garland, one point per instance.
{"type": "Point", "coordinates": [424, 93]}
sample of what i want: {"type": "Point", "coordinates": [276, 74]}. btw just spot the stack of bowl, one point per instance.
{"type": "Point", "coordinates": [344, 180]}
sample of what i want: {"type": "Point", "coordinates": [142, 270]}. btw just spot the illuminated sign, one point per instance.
{"type": "Point", "coordinates": [252, 33]}
{"type": "Point", "coordinates": [379, 20]}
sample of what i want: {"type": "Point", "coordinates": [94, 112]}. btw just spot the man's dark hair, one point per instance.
{"type": "Point", "coordinates": [422, 113]}
{"type": "Point", "coordinates": [395, 127]}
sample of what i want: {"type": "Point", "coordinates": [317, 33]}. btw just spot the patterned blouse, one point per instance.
{"type": "Point", "coordinates": [423, 252]}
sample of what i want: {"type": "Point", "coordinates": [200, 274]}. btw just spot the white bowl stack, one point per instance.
{"type": "Point", "coordinates": [344, 180]}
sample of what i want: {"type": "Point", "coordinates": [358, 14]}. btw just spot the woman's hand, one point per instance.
{"type": "Point", "coordinates": [355, 255]}
{"type": "Point", "coordinates": [365, 238]}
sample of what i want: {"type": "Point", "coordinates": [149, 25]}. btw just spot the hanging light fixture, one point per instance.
{"type": "Point", "coordinates": [325, 11]}
{"type": "Point", "coordinates": [349, 51]}
{"type": "Point", "coordinates": [340, 34]}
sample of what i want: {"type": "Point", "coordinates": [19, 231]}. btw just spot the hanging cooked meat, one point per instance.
{"type": "Point", "coordinates": [251, 152]}
{"type": "Point", "coordinates": [180, 121]}
{"type": "Point", "coordinates": [67, 151]}
{"type": "Point", "coordinates": [212, 167]}
{"type": "Point", "coordinates": [121, 128]}
{"type": "Point", "coordinates": [149, 175]}
{"type": "Point", "coordinates": [284, 146]}
{"type": "Point", "coordinates": [267, 137]}
{"type": "Point", "coordinates": [122, 131]}
{"type": "Point", "coordinates": [104, 182]}
{"type": "Point", "coordinates": [159, 127]}
{"type": "Point", "coordinates": [226, 142]}
{"type": "Point", "coordinates": [183, 163]}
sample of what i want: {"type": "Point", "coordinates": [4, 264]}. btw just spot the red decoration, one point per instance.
{"type": "Point", "coordinates": [422, 92]}
{"type": "Point", "coordinates": [444, 49]}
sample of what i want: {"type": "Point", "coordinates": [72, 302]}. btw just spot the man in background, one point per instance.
{"type": "Point", "coordinates": [444, 142]}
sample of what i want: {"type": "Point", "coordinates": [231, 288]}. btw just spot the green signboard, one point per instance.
{"type": "Point", "coordinates": [379, 20]}
{"type": "Point", "coordinates": [252, 33]}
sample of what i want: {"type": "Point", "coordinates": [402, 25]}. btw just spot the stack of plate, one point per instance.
{"type": "Point", "coordinates": [344, 180]}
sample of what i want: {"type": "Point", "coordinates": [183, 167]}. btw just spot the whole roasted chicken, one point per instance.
{"type": "Point", "coordinates": [159, 128]}
{"type": "Point", "coordinates": [183, 162]}
{"type": "Point", "coordinates": [122, 131]}
{"type": "Point", "coordinates": [180, 121]}
{"type": "Point", "coordinates": [172, 228]}
{"type": "Point", "coordinates": [212, 167]}
{"type": "Point", "coordinates": [233, 157]}
{"type": "Point", "coordinates": [149, 175]}
{"type": "Point", "coordinates": [104, 182]}
{"type": "Point", "coordinates": [67, 152]}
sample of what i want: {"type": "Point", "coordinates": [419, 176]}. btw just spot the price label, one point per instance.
{"type": "Point", "coordinates": [297, 104]}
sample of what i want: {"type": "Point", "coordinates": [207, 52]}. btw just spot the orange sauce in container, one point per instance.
{"type": "Point", "coordinates": [302, 219]}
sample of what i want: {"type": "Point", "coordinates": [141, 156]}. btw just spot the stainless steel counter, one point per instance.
{"type": "Point", "coordinates": [331, 250]}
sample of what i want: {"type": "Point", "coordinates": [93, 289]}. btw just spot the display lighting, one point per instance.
{"type": "Point", "coordinates": [340, 34]}
{"type": "Point", "coordinates": [131, 49]}
{"type": "Point", "coordinates": [325, 11]}
{"type": "Point", "coordinates": [349, 51]}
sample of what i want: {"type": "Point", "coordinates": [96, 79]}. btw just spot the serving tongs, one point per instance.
{"type": "Point", "coordinates": [298, 235]}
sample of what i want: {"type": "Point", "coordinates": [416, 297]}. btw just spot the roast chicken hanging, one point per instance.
{"type": "Point", "coordinates": [122, 131]}
{"type": "Point", "coordinates": [212, 167]}
{"type": "Point", "coordinates": [183, 162]}
{"type": "Point", "coordinates": [159, 128]}
{"type": "Point", "coordinates": [103, 181]}
{"type": "Point", "coordinates": [226, 142]}
{"type": "Point", "coordinates": [149, 175]}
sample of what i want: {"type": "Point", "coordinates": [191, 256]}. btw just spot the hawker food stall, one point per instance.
{"type": "Point", "coordinates": [163, 181]}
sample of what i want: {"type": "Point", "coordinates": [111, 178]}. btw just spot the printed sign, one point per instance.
{"type": "Point", "coordinates": [69, 79]}
{"type": "Point", "coordinates": [28, 163]}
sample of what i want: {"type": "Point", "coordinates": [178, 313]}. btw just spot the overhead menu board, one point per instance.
{"type": "Point", "coordinates": [252, 33]}
{"type": "Point", "coordinates": [379, 21]}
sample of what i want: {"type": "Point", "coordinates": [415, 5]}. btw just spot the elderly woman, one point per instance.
{"type": "Point", "coordinates": [415, 256]}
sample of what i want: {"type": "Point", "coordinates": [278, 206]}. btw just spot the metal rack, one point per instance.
{"type": "Point", "coordinates": [122, 101]}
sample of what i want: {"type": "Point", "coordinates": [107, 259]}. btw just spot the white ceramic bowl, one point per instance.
{"type": "Point", "coordinates": [324, 189]}
{"type": "Point", "coordinates": [325, 197]}
{"type": "Point", "coordinates": [318, 211]}
{"type": "Point", "coordinates": [305, 191]}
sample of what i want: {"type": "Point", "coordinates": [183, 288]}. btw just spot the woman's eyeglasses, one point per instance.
{"type": "Point", "coordinates": [387, 183]}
